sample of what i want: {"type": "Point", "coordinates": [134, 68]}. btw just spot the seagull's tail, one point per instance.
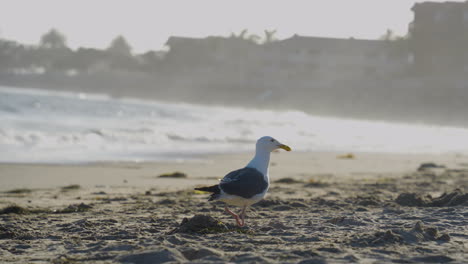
{"type": "Point", "coordinates": [212, 189]}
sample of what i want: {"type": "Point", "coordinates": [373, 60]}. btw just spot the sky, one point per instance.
{"type": "Point", "coordinates": [147, 24]}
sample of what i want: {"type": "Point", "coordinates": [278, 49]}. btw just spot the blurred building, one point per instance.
{"type": "Point", "coordinates": [439, 36]}
{"type": "Point", "coordinates": [187, 53]}
{"type": "Point", "coordinates": [298, 57]}
{"type": "Point", "coordinates": [350, 58]}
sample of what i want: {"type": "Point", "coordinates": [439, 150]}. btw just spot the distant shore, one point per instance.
{"type": "Point", "coordinates": [212, 167]}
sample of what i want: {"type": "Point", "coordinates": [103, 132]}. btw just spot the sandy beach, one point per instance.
{"type": "Point", "coordinates": [321, 208]}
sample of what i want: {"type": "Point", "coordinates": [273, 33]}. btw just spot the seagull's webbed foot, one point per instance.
{"type": "Point", "coordinates": [238, 219]}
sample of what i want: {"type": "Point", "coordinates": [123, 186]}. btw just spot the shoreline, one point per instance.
{"type": "Point", "coordinates": [365, 114]}
{"type": "Point", "coordinates": [294, 164]}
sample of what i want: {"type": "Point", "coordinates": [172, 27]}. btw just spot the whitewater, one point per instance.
{"type": "Point", "coordinates": [40, 126]}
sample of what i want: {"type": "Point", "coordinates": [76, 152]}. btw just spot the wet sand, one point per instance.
{"type": "Point", "coordinates": [375, 208]}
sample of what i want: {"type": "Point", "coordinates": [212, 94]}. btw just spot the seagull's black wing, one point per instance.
{"type": "Point", "coordinates": [245, 183]}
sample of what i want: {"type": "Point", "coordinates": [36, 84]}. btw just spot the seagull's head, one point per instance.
{"type": "Point", "coordinates": [270, 144]}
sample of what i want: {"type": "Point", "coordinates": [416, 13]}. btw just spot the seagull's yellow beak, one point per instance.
{"type": "Point", "coordinates": [287, 148]}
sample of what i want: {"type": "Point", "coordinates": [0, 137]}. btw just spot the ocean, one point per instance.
{"type": "Point", "coordinates": [40, 126]}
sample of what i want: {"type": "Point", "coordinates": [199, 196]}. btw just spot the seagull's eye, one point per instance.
{"type": "Point", "coordinates": [272, 140]}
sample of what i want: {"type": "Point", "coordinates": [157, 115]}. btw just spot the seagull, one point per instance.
{"type": "Point", "coordinates": [246, 186]}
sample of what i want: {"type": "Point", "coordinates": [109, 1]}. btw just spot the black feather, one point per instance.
{"type": "Point", "coordinates": [212, 189]}
{"type": "Point", "coordinates": [246, 183]}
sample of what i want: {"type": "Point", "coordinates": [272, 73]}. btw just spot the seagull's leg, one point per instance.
{"type": "Point", "coordinates": [234, 215]}
{"type": "Point", "coordinates": [242, 214]}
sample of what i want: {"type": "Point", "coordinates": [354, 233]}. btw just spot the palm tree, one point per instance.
{"type": "Point", "coordinates": [245, 36]}
{"type": "Point", "coordinates": [269, 36]}
{"type": "Point", "coordinates": [388, 36]}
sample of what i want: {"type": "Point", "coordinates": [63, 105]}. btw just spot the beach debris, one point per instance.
{"type": "Point", "coordinates": [313, 183]}
{"type": "Point", "coordinates": [99, 193]}
{"type": "Point", "coordinates": [429, 166]}
{"type": "Point", "coordinates": [454, 198]}
{"type": "Point", "coordinates": [71, 187]}
{"type": "Point", "coordinates": [346, 156]}
{"type": "Point", "coordinates": [288, 180]}
{"type": "Point", "coordinates": [154, 256]}
{"type": "Point", "coordinates": [176, 174]}
{"type": "Point", "coordinates": [200, 224]}
{"type": "Point", "coordinates": [19, 191]}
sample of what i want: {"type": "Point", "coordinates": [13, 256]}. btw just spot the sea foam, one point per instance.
{"type": "Point", "coordinates": [39, 126]}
